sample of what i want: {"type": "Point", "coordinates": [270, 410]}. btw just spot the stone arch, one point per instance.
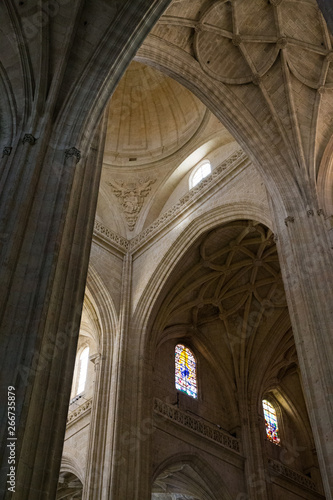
{"type": "Point", "coordinates": [104, 70]}
{"type": "Point", "coordinates": [192, 473]}
{"type": "Point", "coordinates": [146, 312]}
{"type": "Point", "coordinates": [71, 464]}
{"type": "Point", "coordinates": [206, 222]}
{"type": "Point", "coordinates": [325, 180]}
{"type": "Point", "coordinates": [100, 434]}
{"type": "Point", "coordinates": [300, 421]}
{"type": "Point", "coordinates": [70, 486]}
{"type": "Point", "coordinates": [220, 372]}
{"type": "Point", "coordinates": [232, 114]}
{"type": "Point", "coordinates": [104, 308]}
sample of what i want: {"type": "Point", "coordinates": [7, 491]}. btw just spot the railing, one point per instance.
{"type": "Point", "coordinates": [209, 431]}
{"type": "Point", "coordinates": [277, 468]}
{"type": "Point", "coordinates": [79, 411]}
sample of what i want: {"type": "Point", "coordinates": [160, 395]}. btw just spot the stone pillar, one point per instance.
{"type": "Point", "coordinates": [58, 85]}
{"type": "Point", "coordinates": [44, 267]}
{"type": "Point", "coordinates": [96, 461]}
{"type": "Point", "coordinates": [114, 464]}
{"type": "Point", "coordinates": [306, 262]}
{"type": "Point", "coordinates": [130, 414]}
{"type": "Point", "coordinates": [252, 448]}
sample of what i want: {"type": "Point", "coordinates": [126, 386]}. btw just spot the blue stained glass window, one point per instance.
{"type": "Point", "coordinates": [185, 371]}
{"type": "Point", "coordinates": [271, 423]}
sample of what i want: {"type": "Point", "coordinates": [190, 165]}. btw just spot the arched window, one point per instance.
{"type": "Point", "coordinates": [271, 423]}
{"type": "Point", "coordinates": [186, 371]}
{"type": "Point", "coordinates": [200, 172]}
{"type": "Point", "coordinates": [82, 370]}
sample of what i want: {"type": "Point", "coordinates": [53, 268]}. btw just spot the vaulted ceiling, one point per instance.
{"type": "Point", "coordinates": [157, 130]}
{"type": "Point", "coordinates": [271, 66]}
{"type": "Point", "coordinates": [227, 295]}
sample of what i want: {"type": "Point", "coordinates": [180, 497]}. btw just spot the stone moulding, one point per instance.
{"type": "Point", "coordinates": [79, 412]}
{"type": "Point", "coordinates": [191, 197]}
{"type": "Point", "coordinates": [209, 431]}
{"type": "Point", "coordinates": [184, 203]}
{"type": "Point", "coordinates": [277, 468]}
{"type": "Point", "coordinates": [113, 238]}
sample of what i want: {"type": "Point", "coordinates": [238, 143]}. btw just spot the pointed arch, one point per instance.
{"type": "Point", "coordinates": [177, 64]}
{"type": "Point", "coordinates": [325, 180]}
{"type": "Point", "coordinates": [72, 465]}
{"type": "Point", "coordinates": [193, 474]}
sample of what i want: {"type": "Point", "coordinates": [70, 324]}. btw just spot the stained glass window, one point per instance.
{"type": "Point", "coordinates": [271, 423]}
{"type": "Point", "coordinates": [185, 370]}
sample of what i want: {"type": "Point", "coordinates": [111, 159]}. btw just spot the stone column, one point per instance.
{"type": "Point", "coordinates": [44, 266]}
{"type": "Point", "coordinates": [252, 448]}
{"type": "Point", "coordinates": [58, 83]}
{"type": "Point", "coordinates": [114, 464]}
{"type": "Point", "coordinates": [130, 418]}
{"type": "Point", "coordinates": [307, 269]}
{"type": "Point", "coordinates": [96, 466]}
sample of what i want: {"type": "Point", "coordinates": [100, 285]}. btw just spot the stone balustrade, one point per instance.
{"type": "Point", "coordinates": [196, 425]}
{"type": "Point", "coordinates": [79, 412]}
{"type": "Point", "coordinates": [277, 468]}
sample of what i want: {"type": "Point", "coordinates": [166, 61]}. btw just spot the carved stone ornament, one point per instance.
{"type": "Point", "coordinates": [310, 213]}
{"type": "Point", "coordinates": [289, 219]}
{"type": "Point", "coordinates": [6, 151]}
{"type": "Point", "coordinates": [131, 197]}
{"type": "Point", "coordinates": [73, 152]}
{"type": "Point", "coordinates": [256, 79]}
{"type": "Point", "coordinates": [79, 412]}
{"type": "Point", "coordinates": [30, 139]}
{"type": "Point", "coordinates": [282, 42]}
{"type": "Point", "coordinates": [96, 360]}
{"type": "Point", "coordinates": [320, 211]}
{"type": "Point", "coordinates": [112, 237]}
{"type": "Point", "coordinates": [199, 27]}
{"type": "Point", "coordinates": [237, 40]}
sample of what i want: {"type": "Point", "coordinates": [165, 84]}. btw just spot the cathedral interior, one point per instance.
{"type": "Point", "coordinates": [166, 249]}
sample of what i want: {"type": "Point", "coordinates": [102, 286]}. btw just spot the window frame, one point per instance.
{"type": "Point", "coordinates": [195, 171]}
{"type": "Point", "coordinates": [186, 346]}
{"type": "Point", "coordinates": [278, 414]}
{"type": "Point", "coordinates": [76, 378]}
